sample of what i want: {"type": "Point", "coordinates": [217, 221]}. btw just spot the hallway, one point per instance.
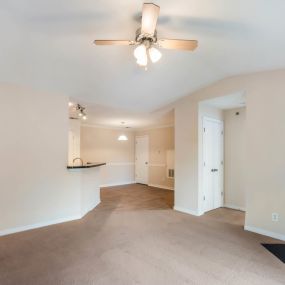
{"type": "Point", "coordinates": [135, 197]}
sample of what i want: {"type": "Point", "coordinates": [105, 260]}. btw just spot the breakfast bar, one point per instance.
{"type": "Point", "coordinates": [87, 177]}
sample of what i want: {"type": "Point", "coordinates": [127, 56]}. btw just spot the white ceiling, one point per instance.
{"type": "Point", "coordinates": [48, 45]}
{"type": "Point", "coordinates": [235, 100]}
{"type": "Point", "coordinates": [99, 115]}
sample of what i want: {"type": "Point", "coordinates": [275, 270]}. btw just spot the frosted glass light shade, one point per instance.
{"type": "Point", "coordinates": [142, 61]}
{"type": "Point", "coordinates": [154, 54]}
{"type": "Point", "coordinates": [140, 52]}
{"type": "Point", "coordinates": [122, 138]}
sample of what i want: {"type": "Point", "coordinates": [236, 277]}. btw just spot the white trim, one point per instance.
{"type": "Point", "coordinates": [212, 120]}
{"type": "Point", "coordinates": [117, 184]}
{"type": "Point", "coordinates": [234, 207]}
{"type": "Point", "coordinates": [265, 232]}
{"type": "Point", "coordinates": [161, 186]}
{"type": "Point", "coordinates": [188, 211]}
{"type": "Point", "coordinates": [39, 225]}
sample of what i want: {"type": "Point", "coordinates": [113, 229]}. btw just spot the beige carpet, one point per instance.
{"type": "Point", "coordinates": [125, 241]}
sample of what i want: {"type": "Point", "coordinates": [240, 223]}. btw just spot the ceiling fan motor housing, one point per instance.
{"type": "Point", "coordinates": [146, 39]}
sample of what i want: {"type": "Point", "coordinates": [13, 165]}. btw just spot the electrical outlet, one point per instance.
{"type": "Point", "coordinates": [275, 217]}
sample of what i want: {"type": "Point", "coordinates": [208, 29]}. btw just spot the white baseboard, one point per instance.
{"type": "Point", "coordinates": [161, 186]}
{"type": "Point", "coordinates": [117, 184]}
{"type": "Point", "coordinates": [265, 232]}
{"type": "Point", "coordinates": [230, 206]}
{"type": "Point", "coordinates": [39, 225]}
{"type": "Point", "coordinates": [188, 211]}
{"type": "Point", "coordinates": [47, 223]}
{"type": "Point", "coordinates": [84, 213]}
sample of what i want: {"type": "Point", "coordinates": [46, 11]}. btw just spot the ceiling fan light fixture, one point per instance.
{"type": "Point", "coordinates": [140, 52]}
{"type": "Point", "coordinates": [142, 61]}
{"type": "Point", "coordinates": [146, 38]}
{"type": "Point", "coordinates": [122, 138]}
{"type": "Point", "coordinates": [154, 54]}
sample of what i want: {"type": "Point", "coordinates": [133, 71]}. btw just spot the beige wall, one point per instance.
{"type": "Point", "coordinates": [265, 152]}
{"type": "Point", "coordinates": [36, 189]}
{"type": "Point", "coordinates": [35, 186]}
{"type": "Point", "coordinates": [235, 158]}
{"type": "Point", "coordinates": [74, 142]}
{"type": "Point", "coordinates": [102, 145]}
{"type": "Point", "coordinates": [160, 140]}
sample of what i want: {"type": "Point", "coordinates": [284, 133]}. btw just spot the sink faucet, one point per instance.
{"type": "Point", "coordinates": [77, 159]}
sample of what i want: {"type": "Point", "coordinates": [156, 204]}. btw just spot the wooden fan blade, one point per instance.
{"type": "Point", "coordinates": [178, 44]}
{"type": "Point", "coordinates": [149, 18]}
{"type": "Point", "coordinates": [113, 42]}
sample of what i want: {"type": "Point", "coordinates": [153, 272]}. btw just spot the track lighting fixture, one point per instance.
{"type": "Point", "coordinates": [78, 111]}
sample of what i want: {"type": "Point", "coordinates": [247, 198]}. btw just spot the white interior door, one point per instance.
{"type": "Point", "coordinates": [213, 163]}
{"type": "Point", "coordinates": [142, 156]}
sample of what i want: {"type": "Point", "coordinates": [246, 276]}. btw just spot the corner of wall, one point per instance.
{"type": "Point", "coordinates": [188, 211]}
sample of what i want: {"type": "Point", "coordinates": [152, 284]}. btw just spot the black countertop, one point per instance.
{"type": "Point", "coordinates": [87, 165]}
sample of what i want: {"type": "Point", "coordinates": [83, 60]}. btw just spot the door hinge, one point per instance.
{"type": "Point", "coordinates": [204, 163]}
{"type": "Point", "coordinates": [204, 130]}
{"type": "Point", "coordinates": [204, 198]}
{"type": "Point", "coordinates": [222, 193]}
{"type": "Point", "coordinates": [222, 132]}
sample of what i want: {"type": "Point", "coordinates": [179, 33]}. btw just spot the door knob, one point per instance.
{"type": "Point", "coordinates": [214, 169]}
{"type": "Point", "coordinates": [146, 162]}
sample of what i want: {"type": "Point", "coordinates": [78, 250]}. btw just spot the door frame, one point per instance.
{"type": "Point", "coordinates": [206, 118]}
{"type": "Point", "coordinates": [147, 137]}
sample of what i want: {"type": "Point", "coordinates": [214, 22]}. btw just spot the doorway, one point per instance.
{"type": "Point", "coordinates": [141, 159]}
{"type": "Point", "coordinates": [213, 169]}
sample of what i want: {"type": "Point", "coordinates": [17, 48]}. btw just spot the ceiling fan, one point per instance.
{"type": "Point", "coordinates": [146, 40]}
